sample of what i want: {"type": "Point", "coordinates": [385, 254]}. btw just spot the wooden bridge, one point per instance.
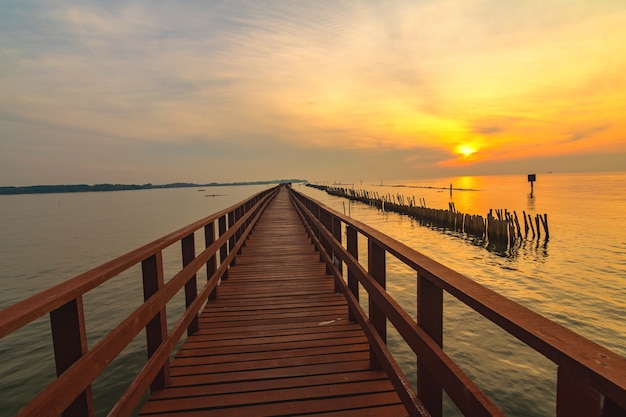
{"type": "Point", "coordinates": [277, 327]}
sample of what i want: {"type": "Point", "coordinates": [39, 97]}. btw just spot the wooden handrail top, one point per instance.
{"type": "Point", "coordinates": [30, 309]}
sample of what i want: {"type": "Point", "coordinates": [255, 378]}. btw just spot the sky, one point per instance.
{"type": "Point", "coordinates": [109, 91]}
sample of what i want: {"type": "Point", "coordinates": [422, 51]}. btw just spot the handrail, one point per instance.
{"type": "Point", "coordinates": [77, 366]}
{"type": "Point", "coordinates": [591, 380]}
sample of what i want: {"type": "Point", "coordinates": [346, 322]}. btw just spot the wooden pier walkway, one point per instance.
{"type": "Point", "coordinates": [277, 328]}
{"type": "Point", "coordinates": [277, 341]}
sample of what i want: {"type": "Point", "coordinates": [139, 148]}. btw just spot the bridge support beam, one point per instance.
{"type": "Point", "coordinates": [69, 339]}
{"type": "Point", "coordinates": [574, 398]}
{"type": "Point", "coordinates": [224, 249]}
{"type": "Point", "coordinates": [430, 319]}
{"type": "Point", "coordinates": [353, 249]}
{"type": "Point", "coordinates": [336, 226]}
{"type": "Point", "coordinates": [231, 241]}
{"type": "Point", "coordinates": [211, 265]}
{"type": "Point", "coordinates": [156, 330]}
{"type": "Point", "coordinates": [377, 268]}
{"type": "Point", "coordinates": [191, 287]}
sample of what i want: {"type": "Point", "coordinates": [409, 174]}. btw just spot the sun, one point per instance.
{"type": "Point", "coordinates": [466, 151]}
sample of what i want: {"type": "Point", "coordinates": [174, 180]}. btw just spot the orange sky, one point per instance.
{"type": "Point", "coordinates": [137, 92]}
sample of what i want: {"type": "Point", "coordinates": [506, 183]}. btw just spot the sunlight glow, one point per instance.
{"type": "Point", "coordinates": [465, 150]}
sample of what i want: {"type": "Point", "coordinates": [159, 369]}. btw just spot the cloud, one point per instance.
{"type": "Point", "coordinates": [488, 130]}
{"type": "Point", "coordinates": [583, 134]}
{"type": "Point", "coordinates": [382, 80]}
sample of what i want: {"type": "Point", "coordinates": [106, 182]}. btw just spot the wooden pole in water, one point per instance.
{"type": "Point", "coordinates": [525, 223]}
{"type": "Point", "coordinates": [519, 229]}
{"type": "Point", "coordinates": [532, 228]}
{"type": "Point", "coordinates": [544, 221]}
{"type": "Point", "coordinates": [537, 223]}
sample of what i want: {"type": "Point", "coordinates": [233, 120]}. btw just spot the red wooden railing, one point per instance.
{"type": "Point", "coordinates": [70, 394]}
{"type": "Point", "coordinates": [591, 380]}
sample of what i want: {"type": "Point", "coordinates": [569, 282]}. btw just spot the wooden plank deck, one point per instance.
{"type": "Point", "coordinates": [277, 341]}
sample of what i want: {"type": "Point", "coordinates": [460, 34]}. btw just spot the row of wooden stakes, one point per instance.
{"type": "Point", "coordinates": [501, 228]}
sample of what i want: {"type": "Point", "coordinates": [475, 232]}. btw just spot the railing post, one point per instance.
{"type": "Point", "coordinates": [224, 247]}
{"type": "Point", "coordinates": [327, 221]}
{"type": "Point", "coordinates": [322, 219]}
{"type": "Point", "coordinates": [353, 282]}
{"type": "Point", "coordinates": [69, 339]}
{"type": "Point", "coordinates": [239, 213]}
{"type": "Point", "coordinates": [318, 215]}
{"type": "Point", "coordinates": [314, 229]}
{"type": "Point", "coordinates": [336, 222]}
{"type": "Point", "coordinates": [376, 266]}
{"type": "Point", "coordinates": [231, 240]}
{"type": "Point", "coordinates": [156, 330]}
{"type": "Point", "coordinates": [246, 209]}
{"type": "Point", "coordinates": [611, 409]}
{"type": "Point", "coordinates": [191, 287]}
{"type": "Point", "coordinates": [309, 219]}
{"type": "Point", "coordinates": [430, 319]}
{"type": "Point", "coordinates": [336, 225]}
{"type": "Point", "coordinates": [574, 398]}
{"type": "Point", "coordinates": [211, 265]}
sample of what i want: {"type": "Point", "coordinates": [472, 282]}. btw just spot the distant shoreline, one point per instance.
{"type": "Point", "coordinates": [82, 188]}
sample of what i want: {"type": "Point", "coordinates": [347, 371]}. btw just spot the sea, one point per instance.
{"type": "Point", "coordinates": [576, 277]}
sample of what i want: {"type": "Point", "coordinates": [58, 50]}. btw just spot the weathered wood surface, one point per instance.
{"type": "Point", "coordinates": [277, 341]}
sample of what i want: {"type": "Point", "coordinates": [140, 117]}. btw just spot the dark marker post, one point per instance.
{"type": "Point", "coordinates": [531, 179]}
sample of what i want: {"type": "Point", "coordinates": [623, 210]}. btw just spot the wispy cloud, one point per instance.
{"type": "Point", "coordinates": [588, 133]}
{"type": "Point", "coordinates": [417, 78]}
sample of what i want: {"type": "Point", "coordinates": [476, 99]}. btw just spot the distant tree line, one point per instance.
{"type": "Point", "coordinates": [81, 188]}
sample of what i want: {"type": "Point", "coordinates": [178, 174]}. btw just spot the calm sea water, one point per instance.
{"type": "Point", "coordinates": [577, 278]}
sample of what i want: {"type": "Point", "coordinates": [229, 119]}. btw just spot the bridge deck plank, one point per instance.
{"type": "Point", "coordinates": [277, 341]}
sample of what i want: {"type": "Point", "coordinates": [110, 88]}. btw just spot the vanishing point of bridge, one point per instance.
{"type": "Point", "coordinates": [277, 329]}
